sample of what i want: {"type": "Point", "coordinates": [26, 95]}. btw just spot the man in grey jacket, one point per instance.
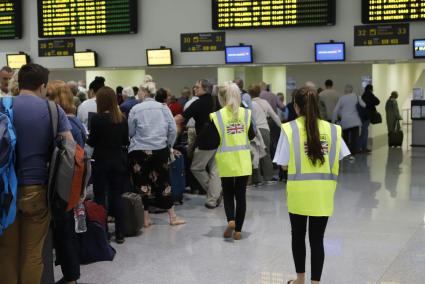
{"type": "Point", "coordinates": [328, 99]}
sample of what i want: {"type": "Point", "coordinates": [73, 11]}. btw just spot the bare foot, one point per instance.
{"type": "Point", "coordinates": [175, 221]}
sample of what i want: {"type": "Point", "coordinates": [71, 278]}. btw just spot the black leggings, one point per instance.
{"type": "Point", "coordinates": [316, 231]}
{"type": "Point", "coordinates": [234, 188]}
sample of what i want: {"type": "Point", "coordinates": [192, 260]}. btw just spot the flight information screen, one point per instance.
{"type": "Point", "coordinates": [62, 18]}
{"type": "Point", "coordinates": [387, 11]}
{"type": "Point", "coordinates": [249, 14]}
{"type": "Point", "coordinates": [10, 19]}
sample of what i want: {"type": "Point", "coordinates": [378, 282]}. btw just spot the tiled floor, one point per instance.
{"type": "Point", "coordinates": [376, 235]}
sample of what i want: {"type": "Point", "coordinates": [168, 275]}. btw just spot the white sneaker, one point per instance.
{"type": "Point", "coordinates": [270, 182]}
{"type": "Point", "coordinates": [352, 159]}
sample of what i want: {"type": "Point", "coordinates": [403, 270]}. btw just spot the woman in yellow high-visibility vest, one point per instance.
{"type": "Point", "coordinates": [230, 132]}
{"type": "Point", "coordinates": [310, 148]}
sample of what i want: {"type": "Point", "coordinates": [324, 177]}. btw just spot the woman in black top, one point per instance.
{"type": "Point", "coordinates": [109, 138]}
{"type": "Point", "coordinates": [371, 102]}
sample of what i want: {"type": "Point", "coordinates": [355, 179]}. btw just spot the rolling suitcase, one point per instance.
{"type": "Point", "coordinates": [395, 139]}
{"type": "Point", "coordinates": [133, 214]}
{"type": "Point", "coordinates": [178, 179]}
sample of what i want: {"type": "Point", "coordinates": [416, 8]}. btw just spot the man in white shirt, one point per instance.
{"type": "Point", "coordinates": [89, 106]}
{"type": "Point", "coordinates": [328, 99]}
{"type": "Point", "coordinates": [6, 74]}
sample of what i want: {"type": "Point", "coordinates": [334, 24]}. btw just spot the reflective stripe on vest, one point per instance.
{"type": "Point", "coordinates": [297, 152]}
{"type": "Point", "coordinates": [224, 147]}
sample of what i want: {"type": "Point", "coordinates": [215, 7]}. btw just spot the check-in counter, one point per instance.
{"type": "Point", "coordinates": [418, 123]}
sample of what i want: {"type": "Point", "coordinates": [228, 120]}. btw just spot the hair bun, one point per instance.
{"type": "Point", "coordinates": [147, 79]}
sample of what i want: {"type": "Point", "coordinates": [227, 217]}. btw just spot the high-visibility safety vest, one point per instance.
{"type": "Point", "coordinates": [310, 188]}
{"type": "Point", "coordinates": [233, 156]}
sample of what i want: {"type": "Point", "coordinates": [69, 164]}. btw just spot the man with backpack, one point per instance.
{"type": "Point", "coordinates": [21, 244]}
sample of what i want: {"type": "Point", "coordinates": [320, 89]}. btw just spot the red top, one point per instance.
{"type": "Point", "coordinates": [176, 108]}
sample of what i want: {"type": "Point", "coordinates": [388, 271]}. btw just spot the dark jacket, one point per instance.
{"type": "Point", "coordinates": [393, 115]}
{"type": "Point", "coordinates": [200, 111]}
{"type": "Point", "coordinates": [108, 139]}
{"type": "Point", "coordinates": [371, 102]}
{"type": "Point", "coordinates": [292, 115]}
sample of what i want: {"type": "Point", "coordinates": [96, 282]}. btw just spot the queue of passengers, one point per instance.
{"type": "Point", "coordinates": [226, 135]}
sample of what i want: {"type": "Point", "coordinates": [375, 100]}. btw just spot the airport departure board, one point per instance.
{"type": "Point", "coordinates": [251, 14]}
{"type": "Point", "coordinates": [10, 19]}
{"type": "Point", "coordinates": [387, 11]}
{"type": "Point", "coordinates": [70, 18]}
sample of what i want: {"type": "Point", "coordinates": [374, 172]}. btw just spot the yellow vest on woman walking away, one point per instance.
{"type": "Point", "coordinates": [310, 188]}
{"type": "Point", "coordinates": [233, 156]}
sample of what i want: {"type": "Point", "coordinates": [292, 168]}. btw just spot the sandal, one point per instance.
{"type": "Point", "coordinates": [175, 221]}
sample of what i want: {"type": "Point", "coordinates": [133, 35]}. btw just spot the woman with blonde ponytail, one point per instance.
{"type": "Point", "coordinates": [230, 132]}
{"type": "Point", "coordinates": [310, 149]}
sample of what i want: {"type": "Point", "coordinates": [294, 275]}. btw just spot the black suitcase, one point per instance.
{"type": "Point", "coordinates": [133, 213]}
{"type": "Point", "coordinates": [395, 139]}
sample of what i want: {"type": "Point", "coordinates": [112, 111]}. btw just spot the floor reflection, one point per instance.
{"type": "Point", "coordinates": [393, 170]}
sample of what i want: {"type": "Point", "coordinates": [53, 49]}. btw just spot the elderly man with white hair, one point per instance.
{"type": "Point", "coordinates": [348, 116]}
{"type": "Point", "coordinates": [129, 100]}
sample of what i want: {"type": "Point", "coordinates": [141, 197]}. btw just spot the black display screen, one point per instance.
{"type": "Point", "coordinates": [251, 14]}
{"type": "Point", "coordinates": [385, 11]}
{"type": "Point", "coordinates": [10, 19]}
{"type": "Point", "coordinates": [70, 18]}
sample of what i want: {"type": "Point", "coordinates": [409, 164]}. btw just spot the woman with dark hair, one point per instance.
{"type": "Point", "coordinates": [161, 96]}
{"type": "Point", "coordinates": [310, 149]}
{"type": "Point", "coordinates": [109, 138]}
{"type": "Point", "coordinates": [371, 102]}
{"type": "Point", "coordinates": [64, 236]}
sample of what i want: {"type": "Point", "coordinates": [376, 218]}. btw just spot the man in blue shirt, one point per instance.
{"type": "Point", "coordinates": [129, 100]}
{"type": "Point", "coordinates": [22, 243]}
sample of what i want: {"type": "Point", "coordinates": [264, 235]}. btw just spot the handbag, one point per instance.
{"type": "Point", "coordinates": [376, 118]}
{"type": "Point", "coordinates": [361, 110]}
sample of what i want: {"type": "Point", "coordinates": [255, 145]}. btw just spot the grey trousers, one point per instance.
{"type": "Point", "coordinates": [205, 171]}
{"type": "Point", "coordinates": [266, 166]}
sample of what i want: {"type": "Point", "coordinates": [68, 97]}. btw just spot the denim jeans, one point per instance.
{"type": "Point", "coordinates": [364, 135]}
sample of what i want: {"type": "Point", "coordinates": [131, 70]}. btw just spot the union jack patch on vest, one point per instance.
{"type": "Point", "coordinates": [235, 128]}
{"type": "Point", "coordinates": [325, 147]}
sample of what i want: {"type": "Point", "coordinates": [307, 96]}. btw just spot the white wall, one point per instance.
{"type": "Point", "coordinates": [115, 78]}
{"type": "Point", "coordinates": [393, 77]}
{"type": "Point", "coordinates": [340, 74]}
{"type": "Point", "coordinates": [162, 21]}
{"type": "Point", "coordinates": [68, 75]}
{"type": "Point", "coordinates": [177, 78]}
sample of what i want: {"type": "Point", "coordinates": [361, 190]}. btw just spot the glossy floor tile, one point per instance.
{"type": "Point", "coordinates": [376, 236]}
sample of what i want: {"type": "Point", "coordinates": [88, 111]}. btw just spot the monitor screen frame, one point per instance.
{"type": "Point", "coordinates": [331, 20]}
{"type": "Point", "coordinates": [16, 54]}
{"type": "Point", "coordinates": [330, 43]}
{"type": "Point", "coordinates": [134, 23]}
{"type": "Point", "coordinates": [95, 59]}
{"type": "Point", "coordinates": [156, 49]}
{"type": "Point", "coordinates": [238, 46]}
{"type": "Point", "coordinates": [413, 48]}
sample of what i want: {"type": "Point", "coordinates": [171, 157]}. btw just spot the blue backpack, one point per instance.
{"type": "Point", "coordinates": [8, 180]}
